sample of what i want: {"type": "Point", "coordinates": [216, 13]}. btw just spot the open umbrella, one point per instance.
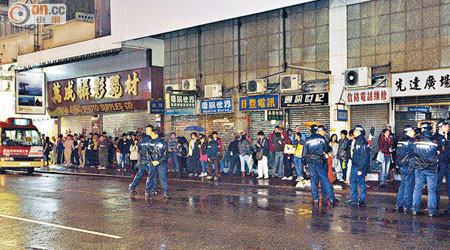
{"type": "Point", "coordinates": [195, 128]}
{"type": "Point", "coordinates": [309, 124]}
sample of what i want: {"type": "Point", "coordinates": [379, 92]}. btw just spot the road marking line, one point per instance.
{"type": "Point", "coordinates": [62, 227]}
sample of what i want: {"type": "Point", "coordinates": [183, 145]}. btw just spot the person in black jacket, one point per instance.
{"type": "Point", "coordinates": [360, 153]}
{"type": "Point", "coordinates": [124, 147]}
{"type": "Point", "coordinates": [158, 150]}
{"type": "Point", "coordinates": [315, 153]}
{"type": "Point", "coordinates": [262, 146]}
{"type": "Point", "coordinates": [403, 159]}
{"type": "Point", "coordinates": [426, 150]}
{"type": "Point", "coordinates": [343, 155]}
{"type": "Point", "coordinates": [444, 160]}
{"type": "Point", "coordinates": [234, 161]}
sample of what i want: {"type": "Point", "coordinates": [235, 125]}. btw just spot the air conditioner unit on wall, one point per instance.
{"type": "Point", "coordinates": [290, 82]}
{"type": "Point", "coordinates": [256, 86]}
{"type": "Point", "coordinates": [170, 87]}
{"type": "Point", "coordinates": [212, 91]}
{"type": "Point", "coordinates": [358, 77]}
{"type": "Point", "coordinates": [189, 84]}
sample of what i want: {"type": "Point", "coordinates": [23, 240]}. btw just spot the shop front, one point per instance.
{"type": "Point", "coordinates": [369, 108]}
{"type": "Point", "coordinates": [217, 115]}
{"type": "Point", "coordinates": [302, 108]}
{"type": "Point", "coordinates": [182, 109]}
{"type": "Point", "coordinates": [115, 103]}
{"type": "Point", "coordinates": [257, 108]}
{"type": "Point", "coordinates": [418, 96]}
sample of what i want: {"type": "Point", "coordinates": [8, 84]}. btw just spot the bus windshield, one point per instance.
{"type": "Point", "coordinates": [20, 137]}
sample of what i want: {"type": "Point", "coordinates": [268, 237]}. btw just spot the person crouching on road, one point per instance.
{"type": "Point", "coordinates": [426, 150]}
{"type": "Point", "coordinates": [316, 152]}
{"type": "Point", "coordinates": [144, 164]}
{"type": "Point", "coordinates": [403, 157]}
{"type": "Point", "coordinates": [158, 163]}
{"type": "Point", "coordinates": [360, 153]}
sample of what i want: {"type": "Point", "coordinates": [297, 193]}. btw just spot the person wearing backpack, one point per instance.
{"type": "Point", "coordinates": [262, 153]}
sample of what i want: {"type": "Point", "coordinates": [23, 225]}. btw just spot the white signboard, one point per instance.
{"type": "Point", "coordinates": [435, 82]}
{"type": "Point", "coordinates": [367, 96]}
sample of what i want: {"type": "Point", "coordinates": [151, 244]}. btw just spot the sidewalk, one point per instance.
{"type": "Point", "coordinates": [372, 186]}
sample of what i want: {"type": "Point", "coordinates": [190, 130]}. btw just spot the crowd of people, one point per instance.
{"type": "Point", "coordinates": [420, 156]}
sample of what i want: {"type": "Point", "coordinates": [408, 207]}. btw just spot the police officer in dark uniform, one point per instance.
{"type": "Point", "coordinates": [144, 162]}
{"type": "Point", "coordinates": [403, 157]}
{"type": "Point", "coordinates": [360, 154]}
{"type": "Point", "coordinates": [444, 160]}
{"type": "Point", "coordinates": [426, 150]}
{"type": "Point", "coordinates": [158, 163]}
{"type": "Point", "coordinates": [315, 154]}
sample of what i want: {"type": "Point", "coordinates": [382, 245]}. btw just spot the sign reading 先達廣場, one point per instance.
{"type": "Point", "coordinates": [421, 83]}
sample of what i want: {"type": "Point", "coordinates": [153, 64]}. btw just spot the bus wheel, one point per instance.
{"type": "Point", "coordinates": [2, 171]}
{"type": "Point", "coordinates": [30, 171]}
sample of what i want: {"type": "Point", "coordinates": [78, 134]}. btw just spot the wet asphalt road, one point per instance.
{"type": "Point", "coordinates": [200, 216]}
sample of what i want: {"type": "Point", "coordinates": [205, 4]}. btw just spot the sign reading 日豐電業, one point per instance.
{"type": "Point", "coordinates": [216, 106]}
{"type": "Point", "coordinates": [259, 102]}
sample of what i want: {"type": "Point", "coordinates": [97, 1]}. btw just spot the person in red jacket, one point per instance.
{"type": "Point", "coordinates": [385, 146]}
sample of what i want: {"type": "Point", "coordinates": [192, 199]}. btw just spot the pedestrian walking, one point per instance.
{"type": "Point", "coordinates": [426, 150]}
{"type": "Point", "coordinates": [262, 153]}
{"type": "Point", "coordinates": [203, 148]}
{"type": "Point", "coordinates": [172, 144]}
{"type": "Point", "coordinates": [158, 163]}
{"type": "Point", "coordinates": [444, 160]}
{"type": "Point", "coordinates": [315, 152]}
{"type": "Point", "coordinates": [124, 149]}
{"type": "Point", "coordinates": [213, 158]}
{"type": "Point", "coordinates": [48, 147]}
{"type": "Point", "coordinates": [103, 152]}
{"type": "Point", "coordinates": [68, 148]}
{"type": "Point", "coordinates": [360, 154]}
{"type": "Point", "coordinates": [244, 153]}
{"type": "Point", "coordinates": [278, 145]}
{"type": "Point", "coordinates": [233, 156]}
{"type": "Point", "coordinates": [404, 156]}
{"type": "Point", "coordinates": [342, 156]}
{"type": "Point", "coordinates": [83, 151]}
{"type": "Point", "coordinates": [385, 148]}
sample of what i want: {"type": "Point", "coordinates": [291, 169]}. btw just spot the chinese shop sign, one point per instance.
{"type": "Point", "coordinates": [216, 106]}
{"type": "Point", "coordinates": [274, 115]}
{"type": "Point", "coordinates": [291, 101]}
{"type": "Point", "coordinates": [260, 102]}
{"type": "Point", "coordinates": [180, 101]}
{"type": "Point", "coordinates": [367, 96]}
{"type": "Point", "coordinates": [105, 93]}
{"type": "Point", "coordinates": [435, 82]}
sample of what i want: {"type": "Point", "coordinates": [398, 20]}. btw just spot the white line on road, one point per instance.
{"type": "Point", "coordinates": [59, 226]}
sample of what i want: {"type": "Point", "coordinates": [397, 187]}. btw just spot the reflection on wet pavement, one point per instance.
{"type": "Point", "coordinates": [200, 216]}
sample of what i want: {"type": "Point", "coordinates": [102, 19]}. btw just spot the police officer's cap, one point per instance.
{"type": "Point", "coordinates": [408, 128]}
{"type": "Point", "coordinates": [313, 128]}
{"type": "Point", "coordinates": [426, 126]}
{"type": "Point", "coordinates": [442, 123]}
{"type": "Point", "coordinates": [322, 128]}
{"type": "Point", "coordinates": [359, 127]}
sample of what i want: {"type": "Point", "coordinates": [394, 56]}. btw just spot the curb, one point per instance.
{"type": "Point", "coordinates": [204, 182]}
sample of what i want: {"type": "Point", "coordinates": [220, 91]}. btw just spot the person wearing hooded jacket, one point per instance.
{"type": "Point", "coordinates": [403, 159]}
{"type": "Point", "coordinates": [360, 153]}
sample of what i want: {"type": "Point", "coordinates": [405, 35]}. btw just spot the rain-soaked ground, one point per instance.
{"type": "Point", "coordinates": [47, 211]}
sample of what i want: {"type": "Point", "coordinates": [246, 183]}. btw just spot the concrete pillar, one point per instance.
{"type": "Point", "coordinates": [338, 58]}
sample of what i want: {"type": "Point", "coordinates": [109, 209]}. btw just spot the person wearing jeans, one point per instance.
{"type": "Point", "coordinates": [244, 153]}
{"type": "Point", "coordinates": [172, 144]}
{"type": "Point", "coordinates": [385, 146]}
{"type": "Point", "coordinates": [124, 147]}
{"type": "Point", "coordinates": [278, 142]}
{"type": "Point", "coordinates": [213, 157]}
{"type": "Point", "coordinates": [202, 147]}
{"type": "Point", "coordinates": [262, 146]}
{"type": "Point", "coordinates": [298, 143]}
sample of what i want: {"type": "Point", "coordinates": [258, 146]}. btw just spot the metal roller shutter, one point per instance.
{"type": "Point", "coordinates": [371, 116]}
{"type": "Point", "coordinates": [75, 124]}
{"type": "Point", "coordinates": [179, 123]}
{"type": "Point", "coordinates": [298, 116]}
{"type": "Point", "coordinates": [223, 124]}
{"type": "Point", "coordinates": [115, 124]}
{"type": "Point", "coordinates": [258, 123]}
